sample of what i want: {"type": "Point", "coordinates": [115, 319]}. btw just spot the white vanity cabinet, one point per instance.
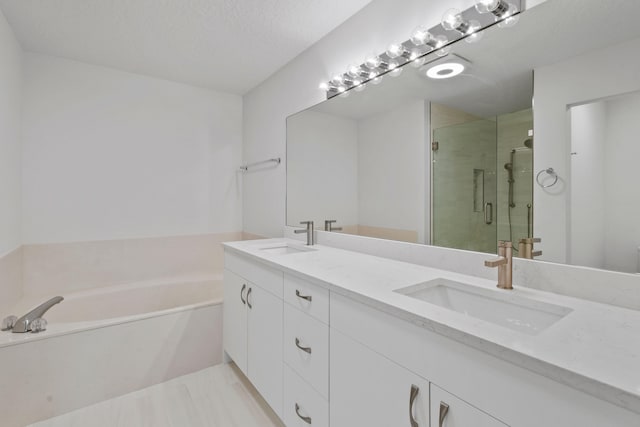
{"type": "Point", "coordinates": [252, 325]}
{"type": "Point", "coordinates": [321, 358]}
{"type": "Point", "coordinates": [368, 389]}
{"type": "Point", "coordinates": [449, 411]}
{"type": "Point", "coordinates": [306, 353]}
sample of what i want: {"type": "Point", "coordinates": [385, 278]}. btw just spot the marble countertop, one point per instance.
{"type": "Point", "coordinates": [595, 348]}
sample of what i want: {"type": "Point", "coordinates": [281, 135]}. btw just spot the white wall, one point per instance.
{"type": "Point", "coordinates": [295, 87]}
{"type": "Point", "coordinates": [587, 191]}
{"type": "Point", "coordinates": [392, 165]}
{"type": "Point", "coordinates": [110, 155]}
{"type": "Point", "coordinates": [571, 82]}
{"type": "Point", "coordinates": [10, 128]}
{"type": "Point", "coordinates": [323, 178]}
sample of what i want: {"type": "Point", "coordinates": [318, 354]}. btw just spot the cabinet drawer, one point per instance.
{"type": "Point", "coordinates": [303, 332]}
{"type": "Point", "coordinates": [309, 298]}
{"type": "Point", "coordinates": [457, 413]}
{"type": "Point", "coordinates": [267, 278]}
{"type": "Point", "coordinates": [302, 401]}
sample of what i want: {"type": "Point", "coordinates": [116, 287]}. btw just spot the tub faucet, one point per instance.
{"type": "Point", "coordinates": [308, 230]}
{"type": "Point", "coordinates": [24, 323]}
{"type": "Point", "coordinates": [504, 264]}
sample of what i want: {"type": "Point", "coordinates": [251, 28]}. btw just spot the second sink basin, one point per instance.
{"type": "Point", "coordinates": [520, 314]}
{"type": "Point", "coordinates": [286, 248]}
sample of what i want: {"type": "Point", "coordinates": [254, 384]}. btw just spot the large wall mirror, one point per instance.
{"type": "Point", "coordinates": [456, 153]}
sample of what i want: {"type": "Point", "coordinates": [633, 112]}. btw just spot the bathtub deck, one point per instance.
{"type": "Point", "coordinates": [214, 397]}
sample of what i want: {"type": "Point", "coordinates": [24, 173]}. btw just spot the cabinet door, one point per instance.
{"type": "Point", "coordinates": [449, 411]}
{"type": "Point", "coordinates": [235, 319]}
{"type": "Point", "coordinates": [367, 389]}
{"type": "Point", "coordinates": [265, 345]}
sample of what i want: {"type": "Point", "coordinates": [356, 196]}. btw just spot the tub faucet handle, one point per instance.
{"type": "Point", "coordinates": [38, 325]}
{"type": "Point", "coordinates": [9, 322]}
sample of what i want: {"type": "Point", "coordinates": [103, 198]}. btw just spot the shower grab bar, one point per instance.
{"type": "Point", "coordinates": [488, 213]}
{"type": "Point", "coordinates": [246, 167]}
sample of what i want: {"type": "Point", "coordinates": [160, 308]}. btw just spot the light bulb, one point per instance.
{"type": "Point", "coordinates": [418, 62]}
{"type": "Point", "coordinates": [373, 75]}
{"type": "Point", "coordinates": [324, 86]}
{"type": "Point", "coordinates": [372, 61]}
{"type": "Point", "coordinates": [443, 52]}
{"type": "Point", "coordinates": [420, 36]}
{"type": "Point", "coordinates": [396, 72]}
{"type": "Point", "coordinates": [338, 79]}
{"type": "Point", "coordinates": [510, 17]}
{"type": "Point", "coordinates": [441, 41]}
{"type": "Point", "coordinates": [474, 34]}
{"type": "Point", "coordinates": [416, 58]}
{"type": "Point", "coordinates": [486, 6]}
{"type": "Point", "coordinates": [341, 89]}
{"type": "Point", "coordinates": [395, 50]}
{"type": "Point", "coordinates": [353, 70]}
{"type": "Point", "coordinates": [452, 20]}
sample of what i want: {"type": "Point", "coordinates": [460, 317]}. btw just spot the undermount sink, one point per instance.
{"type": "Point", "coordinates": [510, 311]}
{"type": "Point", "coordinates": [286, 248]}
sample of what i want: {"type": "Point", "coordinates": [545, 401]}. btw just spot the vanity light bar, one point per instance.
{"type": "Point", "coordinates": [468, 24]}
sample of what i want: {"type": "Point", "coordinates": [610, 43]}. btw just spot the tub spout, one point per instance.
{"type": "Point", "coordinates": [23, 324]}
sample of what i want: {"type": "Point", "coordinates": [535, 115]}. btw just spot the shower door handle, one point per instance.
{"type": "Point", "coordinates": [488, 213]}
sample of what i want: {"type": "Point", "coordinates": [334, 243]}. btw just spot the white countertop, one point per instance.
{"type": "Point", "coordinates": [595, 348]}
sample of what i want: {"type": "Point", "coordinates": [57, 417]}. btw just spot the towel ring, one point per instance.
{"type": "Point", "coordinates": [550, 172]}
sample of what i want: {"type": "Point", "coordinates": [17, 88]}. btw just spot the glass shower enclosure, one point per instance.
{"type": "Point", "coordinates": [481, 180]}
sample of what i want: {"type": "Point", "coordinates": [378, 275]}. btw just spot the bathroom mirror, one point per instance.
{"type": "Point", "coordinates": [465, 161]}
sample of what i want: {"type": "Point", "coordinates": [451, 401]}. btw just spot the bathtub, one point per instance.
{"type": "Point", "coordinates": [106, 342]}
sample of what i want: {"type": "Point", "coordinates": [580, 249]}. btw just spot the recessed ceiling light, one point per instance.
{"type": "Point", "coordinates": [445, 71]}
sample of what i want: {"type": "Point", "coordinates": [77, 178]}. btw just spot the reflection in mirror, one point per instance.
{"type": "Point", "coordinates": [453, 161]}
{"type": "Point", "coordinates": [481, 178]}
{"type": "Point", "coordinates": [604, 203]}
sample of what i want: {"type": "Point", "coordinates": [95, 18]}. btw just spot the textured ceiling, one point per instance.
{"type": "Point", "coordinates": [228, 45]}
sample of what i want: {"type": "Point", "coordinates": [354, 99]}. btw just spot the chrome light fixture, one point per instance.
{"type": "Point", "coordinates": [452, 20]}
{"type": "Point", "coordinates": [455, 25]}
{"type": "Point", "coordinates": [504, 12]}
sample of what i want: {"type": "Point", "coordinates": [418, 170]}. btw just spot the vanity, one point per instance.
{"type": "Point", "coordinates": [421, 173]}
{"type": "Point", "coordinates": [335, 337]}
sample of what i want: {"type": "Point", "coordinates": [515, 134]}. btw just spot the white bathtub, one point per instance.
{"type": "Point", "coordinates": [106, 342]}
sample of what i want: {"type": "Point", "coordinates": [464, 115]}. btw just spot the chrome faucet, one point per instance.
{"type": "Point", "coordinates": [308, 230]}
{"type": "Point", "coordinates": [27, 323]}
{"type": "Point", "coordinates": [328, 225]}
{"type": "Point", "coordinates": [504, 262]}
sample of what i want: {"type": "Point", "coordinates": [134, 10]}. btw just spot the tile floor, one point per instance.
{"type": "Point", "coordinates": [215, 397]}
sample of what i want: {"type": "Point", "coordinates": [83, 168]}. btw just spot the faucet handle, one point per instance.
{"type": "Point", "coordinates": [38, 325]}
{"type": "Point", "coordinates": [495, 262]}
{"type": "Point", "coordinates": [306, 222]}
{"type": "Point", "coordinates": [9, 322]}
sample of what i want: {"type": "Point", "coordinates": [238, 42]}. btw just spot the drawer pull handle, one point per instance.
{"type": "Point", "coordinates": [305, 419]}
{"type": "Point", "coordinates": [444, 410]}
{"type": "Point", "coordinates": [244, 286]}
{"type": "Point", "coordinates": [412, 398]}
{"type": "Point", "coordinates": [299, 295]}
{"type": "Point", "coordinates": [248, 294]}
{"type": "Point", "coordinates": [305, 349]}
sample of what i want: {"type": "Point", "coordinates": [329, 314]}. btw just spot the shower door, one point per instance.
{"type": "Point", "coordinates": [464, 186]}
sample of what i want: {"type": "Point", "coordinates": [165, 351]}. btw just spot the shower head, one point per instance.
{"type": "Point", "coordinates": [528, 143]}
